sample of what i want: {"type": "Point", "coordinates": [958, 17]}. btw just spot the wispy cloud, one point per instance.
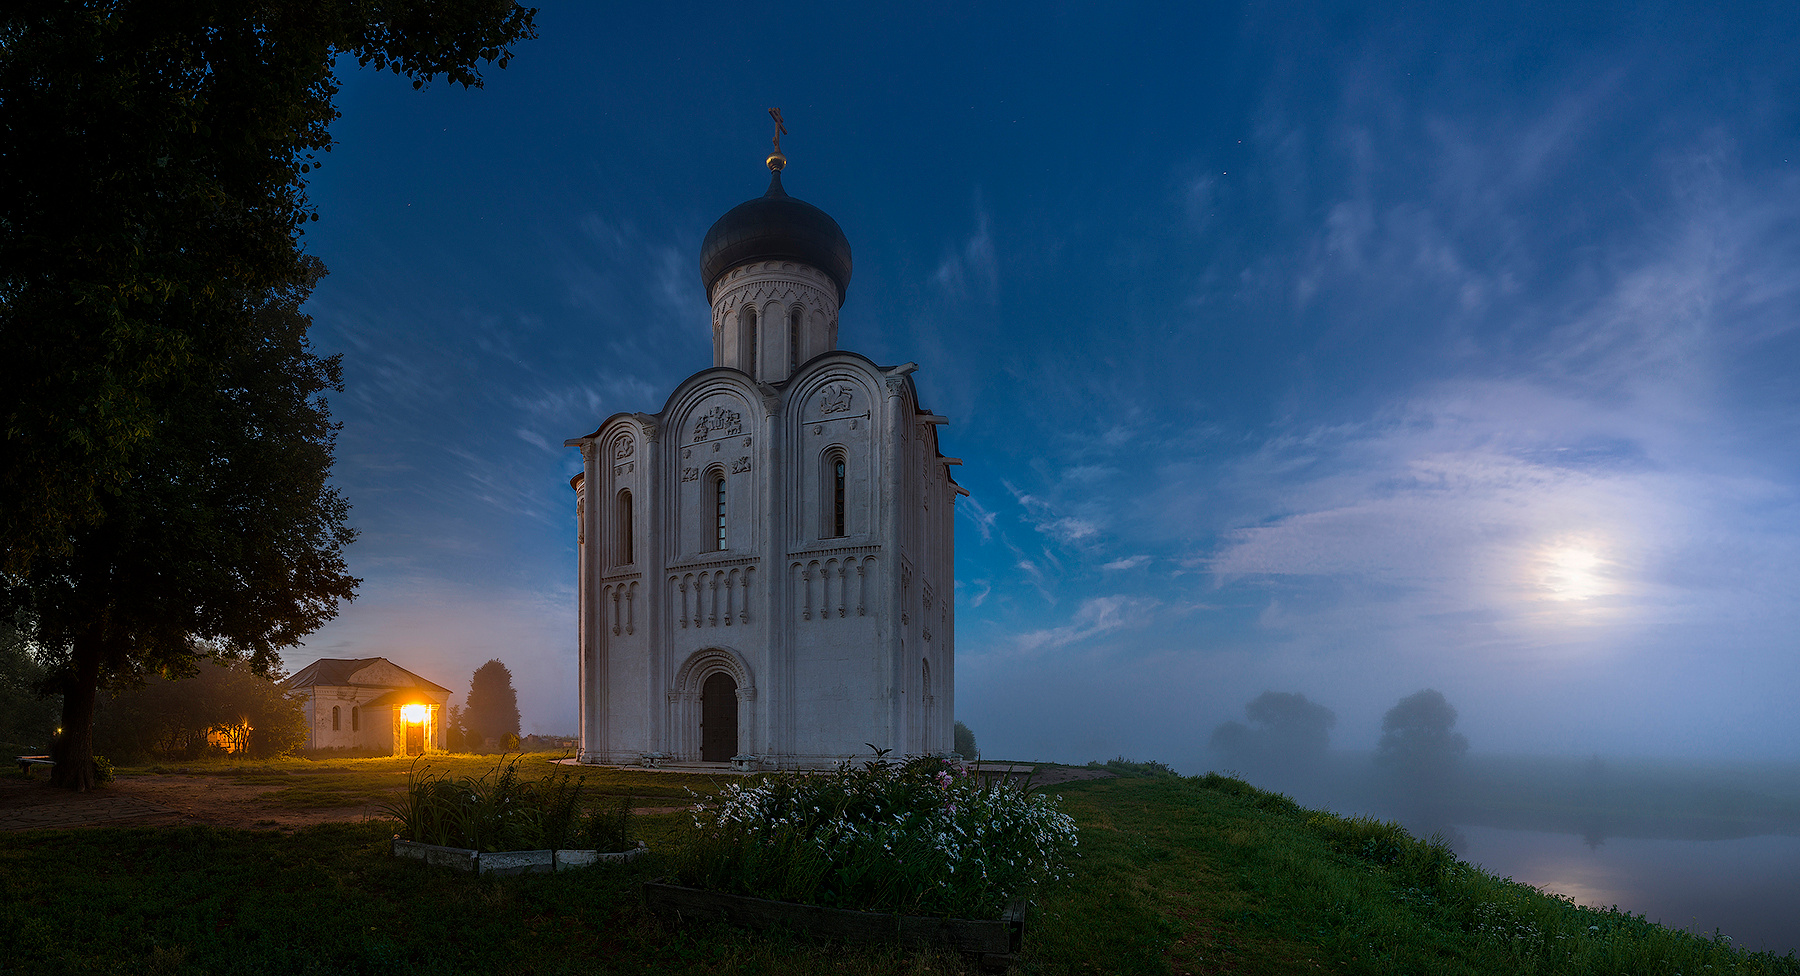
{"type": "Point", "coordinates": [971, 270]}
{"type": "Point", "coordinates": [1094, 617]}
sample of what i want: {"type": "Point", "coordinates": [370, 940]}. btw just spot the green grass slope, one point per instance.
{"type": "Point", "coordinates": [1176, 875]}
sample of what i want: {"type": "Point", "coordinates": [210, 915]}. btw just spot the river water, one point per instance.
{"type": "Point", "coordinates": [1749, 888]}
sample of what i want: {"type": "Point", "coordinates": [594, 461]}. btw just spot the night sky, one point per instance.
{"type": "Point", "coordinates": [1346, 351]}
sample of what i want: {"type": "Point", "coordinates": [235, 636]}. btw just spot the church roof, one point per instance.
{"type": "Point", "coordinates": [399, 696]}
{"type": "Point", "coordinates": [341, 671]}
{"type": "Point", "coordinates": [771, 227]}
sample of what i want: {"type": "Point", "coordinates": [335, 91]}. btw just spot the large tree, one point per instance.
{"type": "Point", "coordinates": [1417, 738]}
{"type": "Point", "coordinates": [1287, 734]}
{"type": "Point", "coordinates": [492, 710]}
{"type": "Point", "coordinates": [164, 441]}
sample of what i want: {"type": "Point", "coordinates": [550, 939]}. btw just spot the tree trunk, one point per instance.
{"type": "Point", "coordinates": [73, 749]}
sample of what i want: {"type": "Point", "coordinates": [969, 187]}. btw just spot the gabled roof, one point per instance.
{"type": "Point", "coordinates": [340, 671]}
{"type": "Point", "coordinates": [400, 696]}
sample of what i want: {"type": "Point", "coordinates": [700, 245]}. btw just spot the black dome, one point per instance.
{"type": "Point", "coordinates": [774, 227]}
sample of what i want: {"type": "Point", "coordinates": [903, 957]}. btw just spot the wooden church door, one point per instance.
{"type": "Point", "coordinates": [718, 719]}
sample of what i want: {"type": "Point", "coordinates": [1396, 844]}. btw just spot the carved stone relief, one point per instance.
{"type": "Point", "coordinates": [690, 474]}
{"type": "Point", "coordinates": [740, 465]}
{"type": "Point", "coordinates": [721, 421]}
{"type": "Point", "coordinates": [623, 449]}
{"type": "Point", "coordinates": [836, 398]}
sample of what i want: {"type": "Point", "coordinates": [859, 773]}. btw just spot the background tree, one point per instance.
{"type": "Point", "coordinates": [492, 708]}
{"type": "Point", "coordinates": [27, 715]}
{"type": "Point", "coordinates": [1417, 740]}
{"type": "Point", "coordinates": [164, 441]}
{"type": "Point", "coordinates": [965, 741]}
{"type": "Point", "coordinates": [1287, 734]}
{"type": "Point", "coordinates": [455, 739]}
{"type": "Point", "coordinates": [177, 717]}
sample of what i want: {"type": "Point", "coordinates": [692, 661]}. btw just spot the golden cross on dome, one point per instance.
{"type": "Point", "coordinates": [780, 129]}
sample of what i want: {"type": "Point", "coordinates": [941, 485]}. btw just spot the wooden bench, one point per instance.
{"type": "Point", "coordinates": [26, 762]}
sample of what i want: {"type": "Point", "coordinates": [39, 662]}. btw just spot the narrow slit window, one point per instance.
{"type": "Point", "coordinates": [719, 509]}
{"type": "Point", "coordinates": [837, 497]}
{"type": "Point", "coordinates": [750, 327]}
{"type": "Point", "coordinates": [793, 340]}
{"type": "Point", "coordinates": [625, 553]}
{"type": "Point", "coordinates": [355, 719]}
{"type": "Point", "coordinates": [335, 719]}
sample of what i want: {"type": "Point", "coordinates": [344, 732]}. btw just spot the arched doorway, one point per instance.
{"type": "Point", "coordinates": [718, 718]}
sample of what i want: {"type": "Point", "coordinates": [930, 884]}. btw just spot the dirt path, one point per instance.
{"type": "Point", "coordinates": [169, 799]}
{"type": "Point", "coordinates": [156, 801]}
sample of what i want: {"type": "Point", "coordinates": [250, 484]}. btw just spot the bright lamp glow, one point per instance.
{"type": "Point", "coordinates": [413, 714]}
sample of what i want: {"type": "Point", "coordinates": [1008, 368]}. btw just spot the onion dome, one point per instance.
{"type": "Point", "coordinates": [775, 227]}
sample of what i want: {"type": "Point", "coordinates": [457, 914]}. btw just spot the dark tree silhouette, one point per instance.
{"type": "Point", "coordinates": [1286, 732]}
{"type": "Point", "coordinates": [492, 711]}
{"type": "Point", "coordinates": [27, 716]}
{"type": "Point", "coordinates": [177, 717]}
{"type": "Point", "coordinates": [1417, 740]}
{"type": "Point", "coordinates": [965, 741]}
{"type": "Point", "coordinates": [164, 441]}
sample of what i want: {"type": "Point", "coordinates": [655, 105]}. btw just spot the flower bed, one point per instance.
{"type": "Point", "coordinates": [922, 837]}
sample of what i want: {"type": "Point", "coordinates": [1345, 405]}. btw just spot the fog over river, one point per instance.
{"type": "Point", "coordinates": [1695, 845]}
{"type": "Point", "coordinates": [1747, 888]}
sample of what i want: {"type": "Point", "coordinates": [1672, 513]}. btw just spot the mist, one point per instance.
{"type": "Point", "coordinates": [1339, 355]}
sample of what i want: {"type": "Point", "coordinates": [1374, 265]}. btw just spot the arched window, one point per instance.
{"type": "Point", "coordinates": [794, 338]}
{"type": "Point", "coordinates": [719, 510]}
{"type": "Point", "coordinates": [837, 496]}
{"type": "Point", "coordinates": [834, 515]}
{"type": "Point", "coordinates": [335, 719]}
{"type": "Point", "coordinates": [355, 719]}
{"type": "Point", "coordinates": [624, 554]}
{"type": "Point", "coordinates": [750, 337]}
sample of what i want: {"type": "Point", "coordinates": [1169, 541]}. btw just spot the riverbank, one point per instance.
{"type": "Point", "coordinates": [1176, 875]}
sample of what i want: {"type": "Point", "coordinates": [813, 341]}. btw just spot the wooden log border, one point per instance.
{"type": "Point", "coordinates": [999, 937]}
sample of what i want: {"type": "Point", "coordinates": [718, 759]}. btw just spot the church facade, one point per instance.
{"type": "Point", "coordinates": [766, 564]}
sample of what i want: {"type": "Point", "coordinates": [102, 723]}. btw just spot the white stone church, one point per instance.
{"type": "Point", "coordinates": [766, 573]}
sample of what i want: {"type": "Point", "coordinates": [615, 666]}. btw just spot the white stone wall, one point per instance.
{"type": "Point", "coordinates": [826, 636]}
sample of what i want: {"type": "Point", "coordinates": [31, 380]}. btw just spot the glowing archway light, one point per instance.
{"type": "Point", "coordinates": [413, 714]}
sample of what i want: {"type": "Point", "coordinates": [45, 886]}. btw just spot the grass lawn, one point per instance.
{"type": "Point", "coordinates": [1183, 875]}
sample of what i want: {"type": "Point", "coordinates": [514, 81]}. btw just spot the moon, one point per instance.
{"type": "Point", "coordinates": [1572, 572]}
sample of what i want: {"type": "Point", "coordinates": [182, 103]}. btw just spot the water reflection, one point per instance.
{"type": "Point", "coordinates": [1748, 888]}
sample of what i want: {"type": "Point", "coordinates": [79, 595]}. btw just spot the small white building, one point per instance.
{"type": "Point", "coordinates": [370, 703]}
{"type": "Point", "coordinates": [766, 564]}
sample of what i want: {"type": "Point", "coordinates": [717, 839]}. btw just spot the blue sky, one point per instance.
{"type": "Point", "coordinates": [1339, 350]}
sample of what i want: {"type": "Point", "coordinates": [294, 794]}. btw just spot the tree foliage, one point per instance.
{"type": "Point", "coordinates": [27, 715]}
{"type": "Point", "coordinates": [223, 702]}
{"type": "Point", "coordinates": [965, 740]}
{"type": "Point", "coordinates": [1417, 737]}
{"type": "Point", "coordinates": [164, 441]}
{"type": "Point", "coordinates": [492, 709]}
{"type": "Point", "coordinates": [1286, 730]}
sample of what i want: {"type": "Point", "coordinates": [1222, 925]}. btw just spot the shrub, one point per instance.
{"type": "Point", "coordinates": [103, 770]}
{"type": "Point", "coordinates": [1126, 767]}
{"type": "Point", "coordinates": [499, 811]}
{"type": "Point", "coordinates": [919, 837]}
{"type": "Point", "coordinates": [609, 826]}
